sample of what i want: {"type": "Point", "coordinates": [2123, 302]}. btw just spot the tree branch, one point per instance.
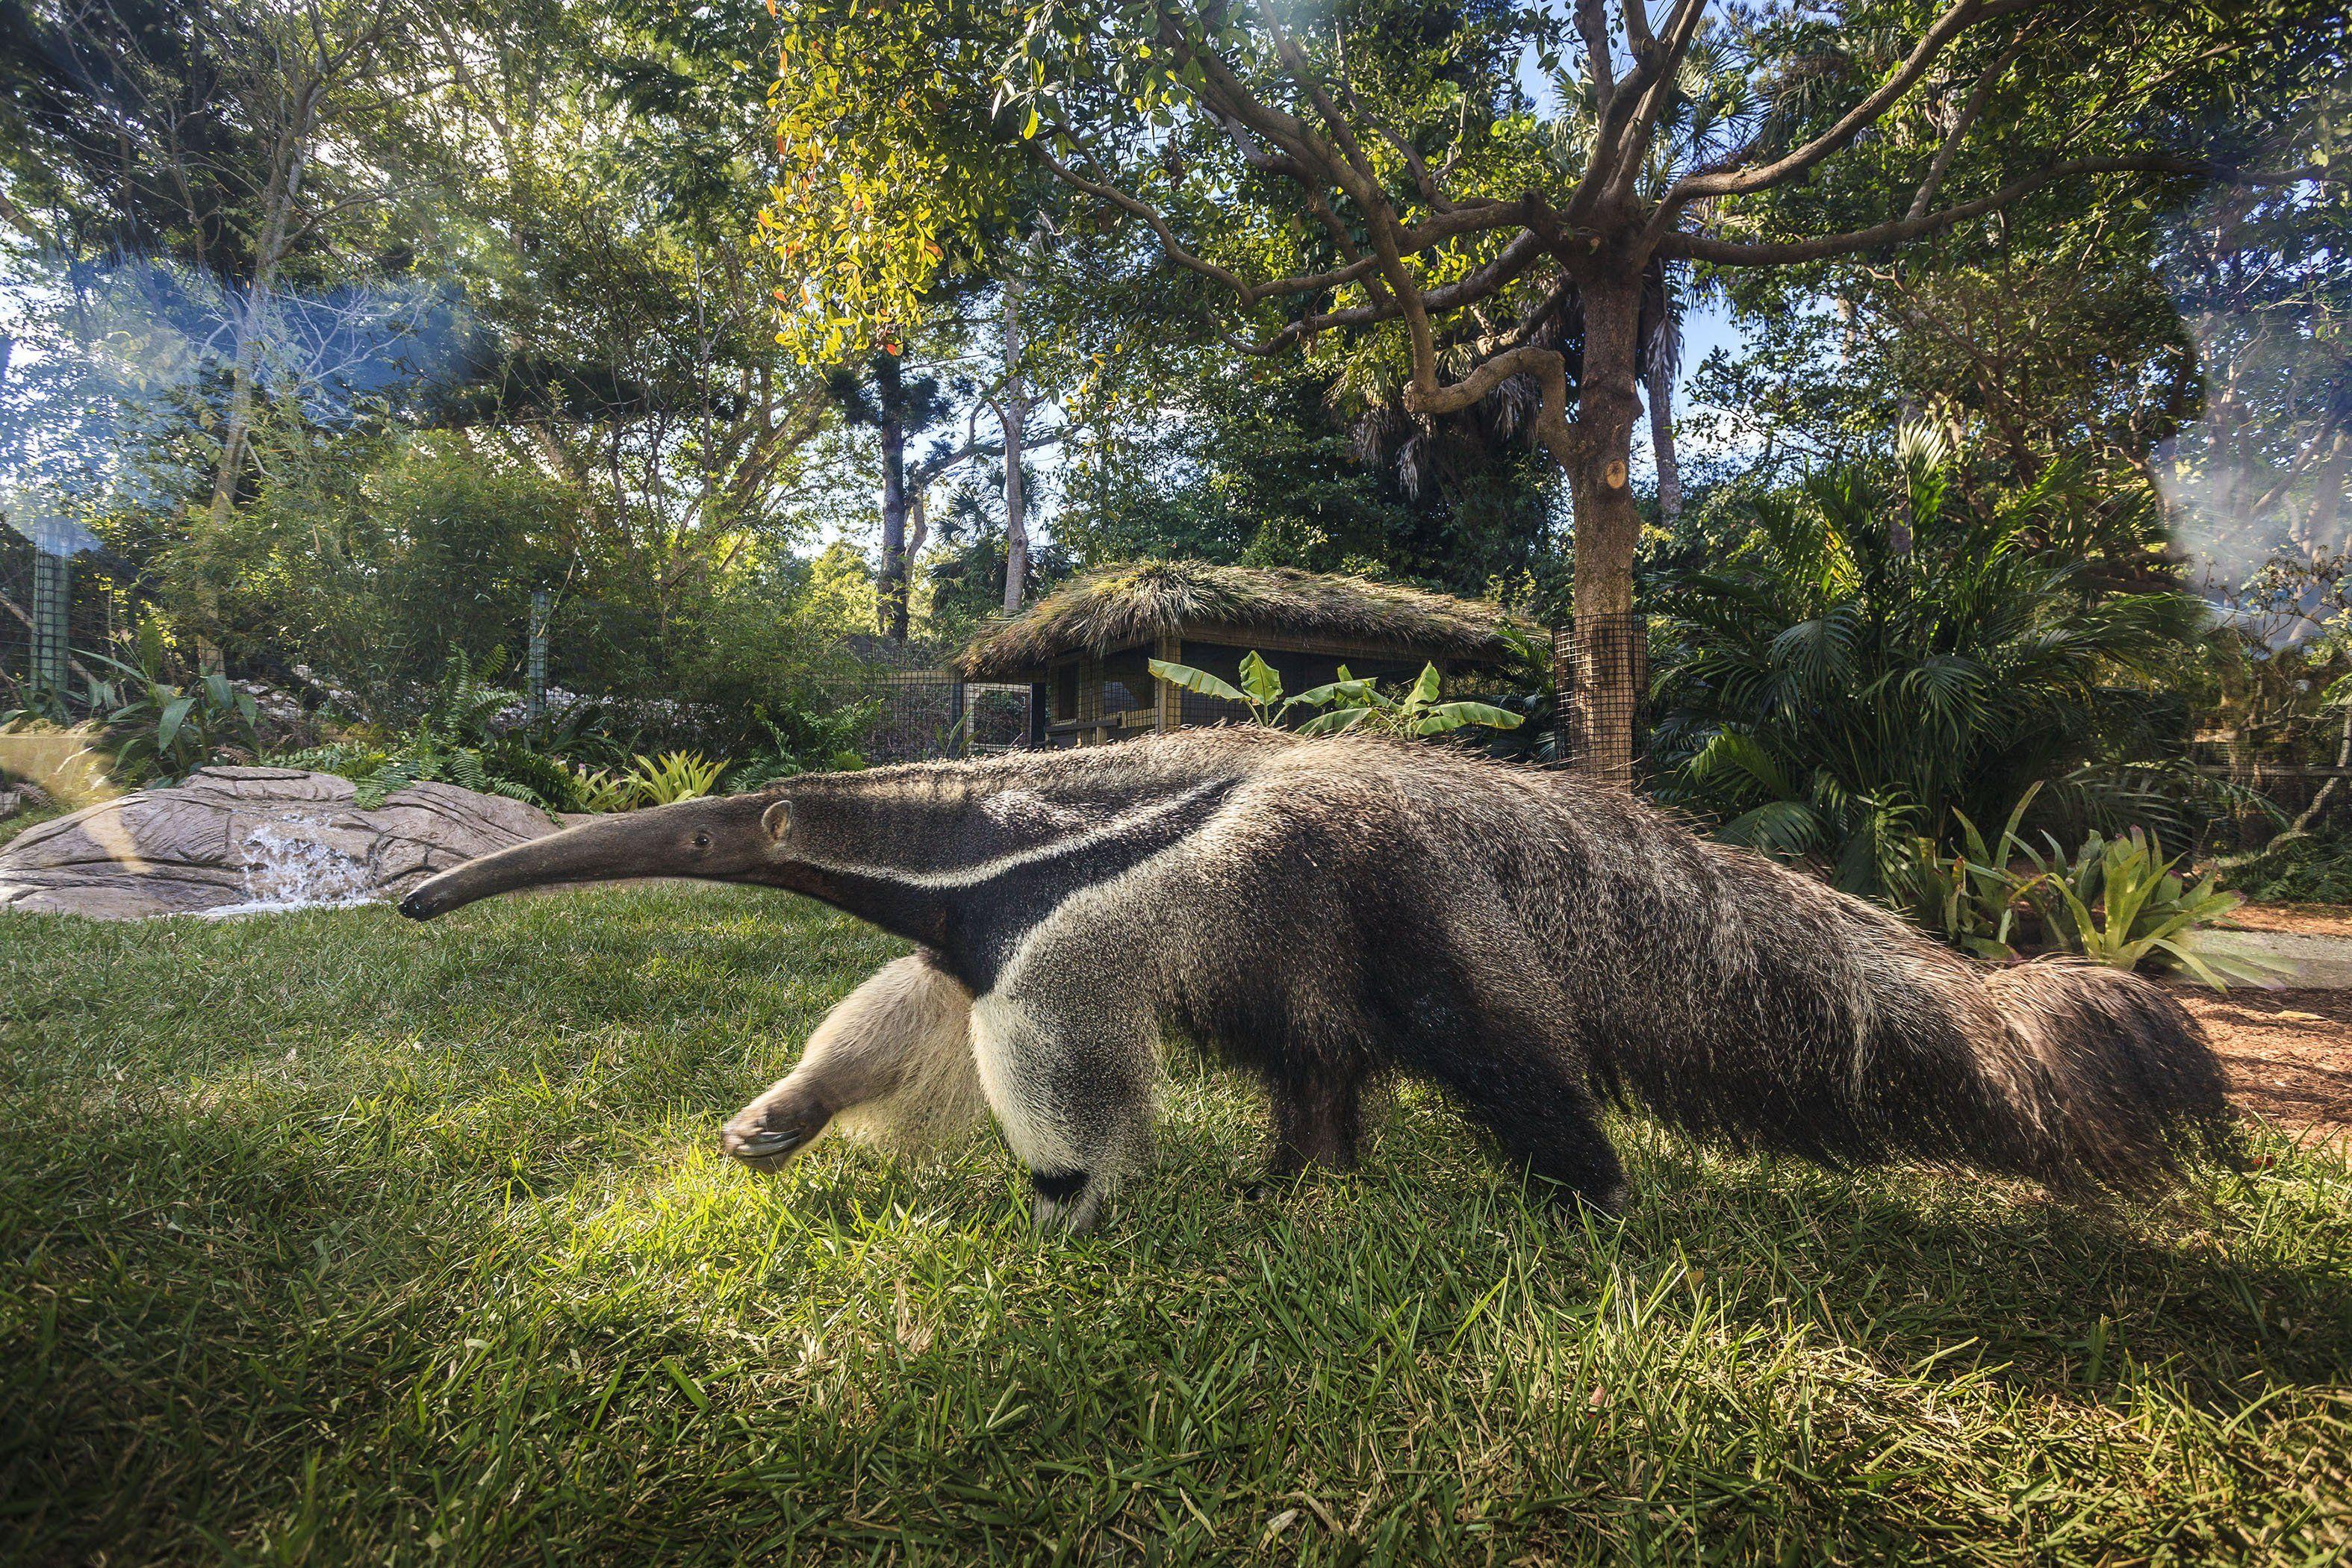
{"type": "Point", "coordinates": [1366, 190]}
{"type": "Point", "coordinates": [1775, 253]}
{"type": "Point", "coordinates": [1524, 250]}
{"type": "Point", "coordinates": [1942, 162]}
{"type": "Point", "coordinates": [1592, 26]}
{"type": "Point", "coordinates": [1249, 293]}
{"type": "Point", "coordinates": [1743, 182]}
{"type": "Point", "coordinates": [1636, 17]}
{"type": "Point", "coordinates": [1613, 143]}
{"type": "Point", "coordinates": [1660, 62]}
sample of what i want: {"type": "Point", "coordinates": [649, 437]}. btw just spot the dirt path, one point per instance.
{"type": "Point", "coordinates": [2299, 920]}
{"type": "Point", "coordinates": [2289, 1053]}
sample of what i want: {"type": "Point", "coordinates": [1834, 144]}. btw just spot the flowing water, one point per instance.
{"type": "Point", "coordinates": [287, 870]}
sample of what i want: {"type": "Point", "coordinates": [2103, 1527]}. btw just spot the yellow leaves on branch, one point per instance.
{"type": "Point", "coordinates": [851, 219]}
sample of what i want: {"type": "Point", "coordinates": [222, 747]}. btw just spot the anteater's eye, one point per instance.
{"type": "Point", "coordinates": [702, 841]}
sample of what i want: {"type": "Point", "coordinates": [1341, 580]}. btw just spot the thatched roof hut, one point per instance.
{"type": "Point", "coordinates": [1083, 649]}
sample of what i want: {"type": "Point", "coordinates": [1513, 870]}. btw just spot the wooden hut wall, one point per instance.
{"type": "Point", "coordinates": [1098, 697]}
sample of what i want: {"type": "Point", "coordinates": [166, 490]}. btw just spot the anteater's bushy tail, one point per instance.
{"type": "Point", "coordinates": [1822, 1026]}
{"type": "Point", "coordinates": [2108, 1079]}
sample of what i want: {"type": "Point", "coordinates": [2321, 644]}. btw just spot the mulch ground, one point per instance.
{"type": "Point", "coordinates": [2289, 1054]}
{"type": "Point", "coordinates": [2296, 920]}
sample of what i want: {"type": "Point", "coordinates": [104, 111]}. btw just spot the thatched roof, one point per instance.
{"type": "Point", "coordinates": [1118, 606]}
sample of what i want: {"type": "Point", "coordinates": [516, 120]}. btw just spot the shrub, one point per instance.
{"type": "Point", "coordinates": [1875, 657]}
{"type": "Point", "coordinates": [372, 571]}
{"type": "Point", "coordinates": [161, 730]}
{"type": "Point", "coordinates": [456, 742]}
{"type": "Point", "coordinates": [2309, 868]}
{"type": "Point", "coordinates": [804, 738]}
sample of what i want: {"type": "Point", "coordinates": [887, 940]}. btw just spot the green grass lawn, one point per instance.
{"type": "Point", "coordinates": [328, 1237]}
{"type": "Point", "coordinates": [28, 817]}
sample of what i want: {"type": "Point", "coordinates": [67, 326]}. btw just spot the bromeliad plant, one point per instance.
{"type": "Point", "coordinates": [647, 781]}
{"type": "Point", "coordinates": [1347, 705]}
{"type": "Point", "coordinates": [1970, 898]}
{"type": "Point", "coordinates": [679, 775]}
{"type": "Point", "coordinates": [2116, 902]}
{"type": "Point", "coordinates": [2120, 901]}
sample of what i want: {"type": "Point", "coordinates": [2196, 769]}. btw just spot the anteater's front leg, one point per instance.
{"type": "Point", "coordinates": [1069, 1072]}
{"type": "Point", "coordinates": [893, 1063]}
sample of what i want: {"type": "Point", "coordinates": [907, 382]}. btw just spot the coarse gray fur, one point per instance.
{"type": "Point", "coordinates": [1326, 912]}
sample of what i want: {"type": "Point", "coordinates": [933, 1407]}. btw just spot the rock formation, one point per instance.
{"type": "Point", "coordinates": [231, 837]}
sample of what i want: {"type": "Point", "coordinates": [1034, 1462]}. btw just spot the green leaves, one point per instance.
{"type": "Point", "coordinates": [1259, 679]}
{"type": "Point", "coordinates": [1197, 681]}
{"type": "Point", "coordinates": [2120, 903]}
{"type": "Point", "coordinates": [1971, 900]}
{"type": "Point", "coordinates": [680, 775]}
{"type": "Point", "coordinates": [161, 730]}
{"type": "Point", "coordinates": [1447, 716]}
{"type": "Point", "coordinates": [2116, 902]}
{"type": "Point", "coordinates": [1876, 647]}
{"type": "Point", "coordinates": [1348, 703]}
{"type": "Point", "coordinates": [1260, 691]}
{"type": "Point", "coordinates": [891, 127]}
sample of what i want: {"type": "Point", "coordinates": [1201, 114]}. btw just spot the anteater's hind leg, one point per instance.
{"type": "Point", "coordinates": [1070, 1072]}
{"type": "Point", "coordinates": [893, 1063]}
{"type": "Point", "coordinates": [1318, 1115]}
{"type": "Point", "coordinates": [1503, 1047]}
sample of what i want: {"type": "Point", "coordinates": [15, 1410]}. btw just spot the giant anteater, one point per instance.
{"type": "Point", "coordinates": [1322, 912]}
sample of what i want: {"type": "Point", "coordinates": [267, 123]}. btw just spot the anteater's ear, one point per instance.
{"type": "Point", "coordinates": [777, 819]}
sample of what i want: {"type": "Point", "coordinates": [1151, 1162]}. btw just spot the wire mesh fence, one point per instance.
{"type": "Point", "coordinates": [1600, 675]}
{"type": "Point", "coordinates": [922, 709]}
{"type": "Point", "coordinates": [54, 611]}
{"type": "Point", "coordinates": [2296, 774]}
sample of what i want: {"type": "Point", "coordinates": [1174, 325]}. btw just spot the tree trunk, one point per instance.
{"type": "Point", "coordinates": [285, 188]}
{"type": "Point", "coordinates": [1661, 383]}
{"type": "Point", "coordinates": [1609, 648]}
{"type": "Point", "coordinates": [251, 323]}
{"type": "Point", "coordinates": [2327, 498]}
{"type": "Point", "coordinates": [890, 406]}
{"type": "Point", "coordinates": [1016, 419]}
{"type": "Point", "coordinates": [919, 529]}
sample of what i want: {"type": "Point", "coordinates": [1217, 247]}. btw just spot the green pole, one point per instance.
{"type": "Point", "coordinates": [52, 596]}
{"type": "Point", "coordinates": [535, 678]}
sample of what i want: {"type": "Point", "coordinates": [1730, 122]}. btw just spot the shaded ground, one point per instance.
{"type": "Point", "coordinates": [2289, 1053]}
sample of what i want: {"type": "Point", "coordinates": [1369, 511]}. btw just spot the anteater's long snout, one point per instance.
{"type": "Point", "coordinates": [716, 840]}
{"type": "Point", "coordinates": [435, 895]}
